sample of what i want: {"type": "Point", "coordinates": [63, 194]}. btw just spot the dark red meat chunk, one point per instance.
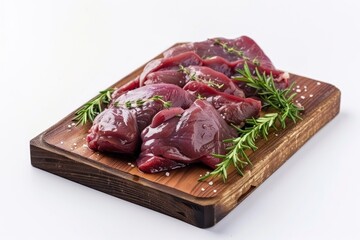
{"type": "Point", "coordinates": [235, 110]}
{"type": "Point", "coordinates": [210, 48]}
{"type": "Point", "coordinates": [111, 130]}
{"type": "Point", "coordinates": [174, 140]}
{"type": "Point", "coordinates": [166, 69]}
{"type": "Point", "coordinates": [114, 130]}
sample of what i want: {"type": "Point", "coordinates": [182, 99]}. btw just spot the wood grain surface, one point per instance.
{"type": "Point", "coordinates": [62, 150]}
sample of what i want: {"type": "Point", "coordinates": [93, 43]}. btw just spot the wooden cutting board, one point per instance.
{"type": "Point", "coordinates": [62, 150]}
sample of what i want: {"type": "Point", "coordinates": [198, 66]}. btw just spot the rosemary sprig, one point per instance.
{"type": "Point", "coordinates": [194, 77]}
{"type": "Point", "coordinates": [140, 102]}
{"type": "Point", "coordinates": [279, 100]}
{"type": "Point", "coordinates": [236, 154]}
{"type": "Point", "coordinates": [92, 108]}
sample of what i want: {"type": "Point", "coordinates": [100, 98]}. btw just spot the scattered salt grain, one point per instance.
{"type": "Point", "coordinates": [74, 144]}
{"type": "Point", "coordinates": [211, 183]}
{"type": "Point", "coordinates": [202, 189]}
{"type": "Point", "coordinates": [298, 90]}
{"type": "Point", "coordinates": [132, 165]}
{"type": "Point", "coordinates": [302, 97]}
{"type": "Point", "coordinates": [129, 163]}
{"type": "Point", "coordinates": [85, 145]}
{"type": "Point", "coordinates": [297, 86]}
{"type": "Point", "coordinates": [69, 126]}
{"type": "Point", "coordinates": [61, 142]}
{"type": "Point", "coordinates": [311, 95]}
{"type": "Point", "coordinates": [73, 124]}
{"type": "Point", "coordinates": [200, 175]}
{"type": "Point", "coordinates": [318, 83]}
{"type": "Point", "coordinates": [276, 134]}
{"type": "Point", "coordinates": [167, 174]}
{"type": "Point", "coordinates": [215, 191]}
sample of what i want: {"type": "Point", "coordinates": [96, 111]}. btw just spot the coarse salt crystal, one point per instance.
{"type": "Point", "coordinates": [211, 183]}
{"type": "Point", "coordinates": [61, 142]}
{"type": "Point", "coordinates": [69, 126]}
{"type": "Point", "coordinates": [215, 191]}
{"type": "Point", "coordinates": [298, 90]}
{"type": "Point", "coordinates": [167, 174]}
{"type": "Point", "coordinates": [132, 165]}
{"type": "Point", "coordinates": [74, 144]}
{"type": "Point", "coordinates": [202, 189]}
{"type": "Point", "coordinates": [311, 95]}
{"type": "Point", "coordinates": [129, 163]}
{"type": "Point", "coordinates": [318, 83]}
{"type": "Point", "coordinates": [73, 124]}
{"type": "Point", "coordinates": [297, 86]}
{"type": "Point", "coordinates": [302, 97]}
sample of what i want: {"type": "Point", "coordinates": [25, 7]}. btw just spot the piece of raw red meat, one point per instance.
{"type": "Point", "coordinates": [234, 110]}
{"type": "Point", "coordinates": [125, 122]}
{"type": "Point", "coordinates": [171, 65]}
{"type": "Point", "coordinates": [243, 48]}
{"type": "Point", "coordinates": [179, 137]}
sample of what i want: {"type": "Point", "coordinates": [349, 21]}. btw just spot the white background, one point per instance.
{"type": "Point", "coordinates": [56, 55]}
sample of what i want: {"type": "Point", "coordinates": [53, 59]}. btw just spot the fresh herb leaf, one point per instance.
{"type": "Point", "coordinates": [91, 109]}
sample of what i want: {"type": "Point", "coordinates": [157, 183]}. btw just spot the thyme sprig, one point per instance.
{"type": "Point", "coordinates": [194, 77]}
{"type": "Point", "coordinates": [233, 50]}
{"type": "Point", "coordinates": [92, 108]}
{"type": "Point", "coordinates": [140, 102]}
{"type": "Point", "coordinates": [279, 100]}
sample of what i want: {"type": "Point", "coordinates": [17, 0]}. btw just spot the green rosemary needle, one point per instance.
{"type": "Point", "coordinates": [92, 108]}
{"type": "Point", "coordinates": [236, 154]}
{"type": "Point", "coordinates": [279, 100]}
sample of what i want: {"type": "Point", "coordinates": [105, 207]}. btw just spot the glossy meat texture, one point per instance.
{"type": "Point", "coordinates": [206, 75]}
{"type": "Point", "coordinates": [234, 110]}
{"type": "Point", "coordinates": [211, 47]}
{"type": "Point", "coordinates": [176, 139]}
{"type": "Point", "coordinates": [144, 114]}
{"type": "Point", "coordinates": [114, 130]}
{"type": "Point", "coordinates": [172, 76]}
{"type": "Point", "coordinates": [167, 69]}
{"type": "Point", "coordinates": [118, 128]}
{"type": "Point", "coordinates": [172, 63]}
{"type": "Point", "coordinates": [135, 83]}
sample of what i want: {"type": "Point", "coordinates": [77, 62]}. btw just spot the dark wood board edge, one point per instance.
{"type": "Point", "coordinates": [197, 214]}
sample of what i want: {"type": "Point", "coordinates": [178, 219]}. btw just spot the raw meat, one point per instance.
{"type": "Point", "coordinates": [211, 47]}
{"type": "Point", "coordinates": [219, 64]}
{"type": "Point", "coordinates": [234, 110]}
{"type": "Point", "coordinates": [175, 140]}
{"type": "Point", "coordinates": [206, 75]}
{"type": "Point", "coordinates": [114, 130]}
{"type": "Point", "coordinates": [118, 128]}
